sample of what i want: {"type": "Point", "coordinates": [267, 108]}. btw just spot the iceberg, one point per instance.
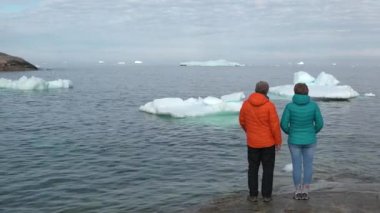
{"type": "Point", "coordinates": [301, 63]}
{"type": "Point", "coordinates": [324, 87]}
{"type": "Point", "coordinates": [138, 62]}
{"type": "Point", "coordinates": [34, 83]}
{"type": "Point", "coordinates": [192, 107]}
{"type": "Point", "coordinates": [212, 63]}
{"type": "Point", "coordinates": [369, 94]}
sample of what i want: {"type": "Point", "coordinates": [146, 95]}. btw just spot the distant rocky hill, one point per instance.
{"type": "Point", "coordinates": [12, 63]}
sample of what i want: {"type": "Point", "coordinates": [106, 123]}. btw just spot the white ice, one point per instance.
{"type": "Point", "coordinates": [121, 63]}
{"type": "Point", "coordinates": [301, 63]}
{"type": "Point", "coordinates": [34, 83]}
{"type": "Point", "coordinates": [325, 86]}
{"type": "Point", "coordinates": [370, 94]}
{"type": "Point", "coordinates": [288, 167]}
{"type": "Point", "coordinates": [212, 63]}
{"type": "Point", "coordinates": [191, 107]}
{"type": "Point", "coordinates": [138, 62]}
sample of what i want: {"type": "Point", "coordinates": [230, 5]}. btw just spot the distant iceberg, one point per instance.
{"type": "Point", "coordinates": [325, 86]}
{"type": "Point", "coordinates": [179, 108]}
{"type": "Point", "coordinates": [34, 83]}
{"type": "Point", "coordinates": [370, 94]}
{"type": "Point", "coordinates": [212, 63]}
{"type": "Point", "coordinates": [301, 63]}
{"type": "Point", "coordinates": [138, 62]}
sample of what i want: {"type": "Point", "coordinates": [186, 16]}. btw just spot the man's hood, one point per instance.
{"type": "Point", "coordinates": [257, 99]}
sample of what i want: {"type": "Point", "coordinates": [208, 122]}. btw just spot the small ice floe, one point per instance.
{"type": "Point", "coordinates": [191, 107]}
{"type": "Point", "coordinates": [325, 87]}
{"type": "Point", "coordinates": [34, 83]}
{"type": "Point", "coordinates": [212, 63]}
{"type": "Point", "coordinates": [370, 94]}
{"type": "Point", "coordinates": [121, 63]}
{"type": "Point", "coordinates": [288, 167]}
{"type": "Point", "coordinates": [101, 62]}
{"type": "Point", "coordinates": [301, 63]}
{"type": "Point", "coordinates": [138, 62]}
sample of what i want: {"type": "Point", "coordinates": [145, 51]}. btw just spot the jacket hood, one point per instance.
{"type": "Point", "coordinates": [301, 99]}
{"type": "Point", "coordinates": [257, 99]}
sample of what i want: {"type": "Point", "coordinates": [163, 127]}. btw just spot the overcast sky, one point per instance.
{"type": "Point", "coordinates": [173, 31]}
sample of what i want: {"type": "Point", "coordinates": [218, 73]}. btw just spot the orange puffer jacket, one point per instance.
{"type": "Point", "coordinates": [259, 119]}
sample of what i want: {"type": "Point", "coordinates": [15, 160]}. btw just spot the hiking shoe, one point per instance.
{"type": "Point", "coordinates": [297, 196]}
{"type": "Point", "coordinates": [252, 198]}
{"type": "Point", "coordinates": [304, 196]}
{"type": "Point", "coordinates": [267, 199]}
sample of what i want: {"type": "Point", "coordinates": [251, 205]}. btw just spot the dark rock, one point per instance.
{"type": "Point", "coordinates": [12, 63]}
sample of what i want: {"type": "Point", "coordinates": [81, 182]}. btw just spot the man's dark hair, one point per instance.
{"type": "Point", "coordinates": [301, 89]}
{"type": "Point", "coordinates": [262, 87]}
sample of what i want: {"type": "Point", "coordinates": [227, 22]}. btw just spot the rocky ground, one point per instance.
{"type": "Point", "coordinates": [342, 199]}
{"type": "Point", "coordinates": [12, 63]}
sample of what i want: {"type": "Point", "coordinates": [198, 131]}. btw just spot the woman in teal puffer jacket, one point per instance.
{"type": "Point", "coordinates": [301, 121]}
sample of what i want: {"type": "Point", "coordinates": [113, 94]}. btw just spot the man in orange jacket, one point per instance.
{"type": "Point", "coordinates": [259, 120]}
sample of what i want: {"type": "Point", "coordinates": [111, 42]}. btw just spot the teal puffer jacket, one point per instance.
{"type": "Point", "coordinates": [301, 120]}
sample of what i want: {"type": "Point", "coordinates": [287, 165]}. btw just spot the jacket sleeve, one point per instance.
{"type": "Point", "coordinates": [285, 120]}
{"type": "Point", "coordinates": [275, 125]}
{"type": "Point", "coordinates": [318, 119]}
{"type": "Point", "coordinates": [242, 116]}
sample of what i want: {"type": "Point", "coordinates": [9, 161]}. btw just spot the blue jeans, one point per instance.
{"type": "Point", "coordinates": [302, 155]}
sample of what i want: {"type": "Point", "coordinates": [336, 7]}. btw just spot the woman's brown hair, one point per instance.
{"type": "Point", "coordinates": [301, 89]}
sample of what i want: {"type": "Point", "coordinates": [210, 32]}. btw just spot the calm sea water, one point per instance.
{"type": "Point", "coordinates": [89, 149]}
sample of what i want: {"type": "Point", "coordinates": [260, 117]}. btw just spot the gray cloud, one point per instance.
{"type": "Point", "coordinates": [170, 31]}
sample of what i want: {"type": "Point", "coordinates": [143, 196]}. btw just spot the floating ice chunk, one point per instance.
{"type": "Point", "coordinates": [233, 97]}
{"type": "Point", "coordinates": [303, 77]}
{"type": "Point", "coordinates": [60, 83]}
{"type": "Point", "coordinates": [220, 62]}
{"type": "Point", "coordinates": [212, 100]}
{"type": "Point", "coordinates": [317, 91]}
{"type": "Point", "coordinates": [101, 62]}
{"type": "Point", "coordinates": [288, 167]}
{"type": "Point", "coordinates": [34, 83]}
{"type": "Point", "coordinates": [300, 63]}
{"type": "Point", "coordinates": [121, 63]}
{"type": "Point", "coordinates": [370, 94]}
{"type": "Point", "coordinates": [325, 79]}
{"type": "Point", "coordinates": [324, 87]}
{"type": "Point", "coordinates": [138, 62]}
{"type": "Point", "coordinates": [177, 107]}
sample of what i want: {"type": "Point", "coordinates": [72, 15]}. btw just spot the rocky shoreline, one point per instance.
{"type": "Point", "coordinates": [342, 198]}
{"type": "Point", "coordinates": [13, 63]}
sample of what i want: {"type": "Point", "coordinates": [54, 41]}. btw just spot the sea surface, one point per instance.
{"type": "Point", "coordinates": [90, 149]}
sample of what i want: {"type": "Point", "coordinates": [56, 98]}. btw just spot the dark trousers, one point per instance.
{"type": "Point", "coordinates": [266, 157]}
